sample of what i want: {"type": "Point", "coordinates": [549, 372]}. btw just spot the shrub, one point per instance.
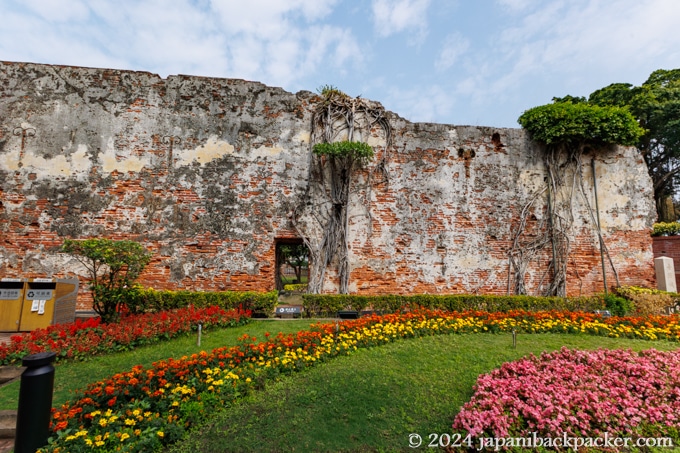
{"type": "Point", "coordinates": [329, 304]}
{"type": "Point", "coordinates": [666, 229]}
{"type": "Point", "coordinates": [647, 301]}
{"type": "Point", "coordinates": [141, 300]}
{"type": "Point", "coordinates": [113, 267]}
{"type": "Point", "coordinates": [617, 305]}
{"type": "Point", "coordinates": [295, 287]}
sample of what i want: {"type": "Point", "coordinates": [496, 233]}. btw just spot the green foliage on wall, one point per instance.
{"type": "Point", "coordinates": [358, 151]}
{"type": "Point", "coordinates": [580, 123]}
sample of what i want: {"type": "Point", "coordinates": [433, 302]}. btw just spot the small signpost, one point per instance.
{"type": "Point", "coordinates": [292, 311]}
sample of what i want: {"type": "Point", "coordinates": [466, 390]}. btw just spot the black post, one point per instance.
{"type": "Point", "coordinates": [35, 402]}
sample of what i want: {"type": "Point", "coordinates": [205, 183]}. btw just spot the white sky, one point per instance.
{"type": "Point", "coordinates": [466, 62]}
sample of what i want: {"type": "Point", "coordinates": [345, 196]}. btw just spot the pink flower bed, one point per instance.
{"type": "Point", "coordinates": [581, 393]}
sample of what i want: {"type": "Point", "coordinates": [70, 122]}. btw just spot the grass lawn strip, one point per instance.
{"type": "Point", "coordinates": [71, 376]}
{"type": "Point", "coordinates": [158, 404]}
{"type": "Point", "coordinates": [373, 399]}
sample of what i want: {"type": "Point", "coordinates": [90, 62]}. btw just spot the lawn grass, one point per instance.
{"type": "Point", "coordinates": [373, 399]}
{"type": "Point", "coordinates": [75, 375]}
{"type": "Point", "coordinates": [369, 401]}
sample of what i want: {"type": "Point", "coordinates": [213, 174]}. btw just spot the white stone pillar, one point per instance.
{"type": "Point", "coordinates": [665, 274]}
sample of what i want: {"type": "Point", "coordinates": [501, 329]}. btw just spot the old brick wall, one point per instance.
{"type": "Point", "coordinates": [207, 172]}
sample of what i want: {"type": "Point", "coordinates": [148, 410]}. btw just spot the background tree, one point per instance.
{"type": "Point", "coordinates": [113, 267]}
{"type": "Point", "coordinates": [656, 106]}
{"type": "Point", "coordinates": [566, 128]}
{"type": "Point", "coordinates": [297, 257]}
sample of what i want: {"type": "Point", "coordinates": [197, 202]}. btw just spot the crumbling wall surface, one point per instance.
{"type": "Point", "coordinates": [202, 171]}
{"type": "Point", "coordinates": [207, 173]}
{"type": "Point", "coordinates": [447, 220]}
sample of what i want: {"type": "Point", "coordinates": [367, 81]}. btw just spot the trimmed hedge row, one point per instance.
{"type": "Point", "coordinates": [140, 300]}
{"type": "Point", "coordinates": [330, 304]}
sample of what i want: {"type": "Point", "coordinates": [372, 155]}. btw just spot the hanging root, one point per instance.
{"type": "Point", "coordinates": [337, 117]}
{"type": "Point", "coordinates": [565, 178]}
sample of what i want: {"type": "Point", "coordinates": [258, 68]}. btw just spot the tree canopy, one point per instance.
{"type": "Point", "coordinates": [567, 127]}
{"type": "Point", "coordinates": [655, 105]}
{"type": "Point", "coordinates": [574, 123]}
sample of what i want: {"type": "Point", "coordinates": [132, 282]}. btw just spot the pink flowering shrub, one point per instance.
{"type": "Point", "coordinates": [581, 393]}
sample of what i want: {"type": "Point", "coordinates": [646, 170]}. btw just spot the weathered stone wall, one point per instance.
{"type": "Point", "coordinates": [207, 172]}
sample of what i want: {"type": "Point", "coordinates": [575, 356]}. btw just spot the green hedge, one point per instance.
{"type": "Point", "coordinates": [666, 229]}
{"type": "Point", "coordinates": [330, 304]}
{"type": "Point", "coordinates": [295, 287]}
{"type": "Point", "coordinates": [141, 300]}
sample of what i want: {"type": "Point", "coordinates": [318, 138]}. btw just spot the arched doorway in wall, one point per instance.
{"type": "Point", "coordinates": [292, 262]}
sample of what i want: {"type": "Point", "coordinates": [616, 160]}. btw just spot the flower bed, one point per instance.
{"type": "Point", "coordinates": [581, 393]}
{"type": "Point", "coordinates": [145, 408]}
{"type": "Point", "coordinates": [90, 337]}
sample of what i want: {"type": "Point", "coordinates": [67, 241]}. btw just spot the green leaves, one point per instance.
{"type": "Point", "coordinates": [329, 91]}
{"type": "Point", "coordinates": [359, 151]}
{"type": "Point", "coordinates": [655, 105]}
{"type": "Point", "coordinates": [580, 123]}
{"type": "Point", "coordinates": [113, 267]}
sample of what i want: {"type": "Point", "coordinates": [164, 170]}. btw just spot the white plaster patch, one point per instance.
{"type": "Point", "coordinates": [375, 141]}
{"type": "Point", "coordinates": [265, 151]}
{"type": "Point", "coordinates": [45, 168]}
{"type": "Point", "coordinates": [528, 181]}
{"type": "Point", "coordinates": [80, 161]}
{"type": "Point", "coordinates": [128, 164]}
{"type": "Point", "coordinates": [214, 148]}
{"type": "Point", "coordinates": [302, 137]}
{"type": "Point", "coordinates": [11, 161]}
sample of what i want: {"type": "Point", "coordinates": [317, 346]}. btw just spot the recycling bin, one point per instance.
{"type": "Point", "coordinates": [11, 300]}
{"type": "Point", "coordinates": [48, 301]}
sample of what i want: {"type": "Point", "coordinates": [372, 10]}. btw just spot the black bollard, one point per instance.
{"type": "Point", "coordinates": [35, 402]}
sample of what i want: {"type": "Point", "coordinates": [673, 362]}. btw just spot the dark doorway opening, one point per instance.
{"type": "Point", "coordinates": [292, 263]}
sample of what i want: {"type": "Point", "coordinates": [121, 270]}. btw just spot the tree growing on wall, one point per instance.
{"type": "Point", "coordinates": [113, 267]}
{"type": "Point", "coordinates": [566, 128]}
{"type": "Point", "coordinates": [340, 129]}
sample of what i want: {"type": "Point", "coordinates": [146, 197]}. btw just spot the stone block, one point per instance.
{"type": "Point", "coordinates": [665, 274]}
